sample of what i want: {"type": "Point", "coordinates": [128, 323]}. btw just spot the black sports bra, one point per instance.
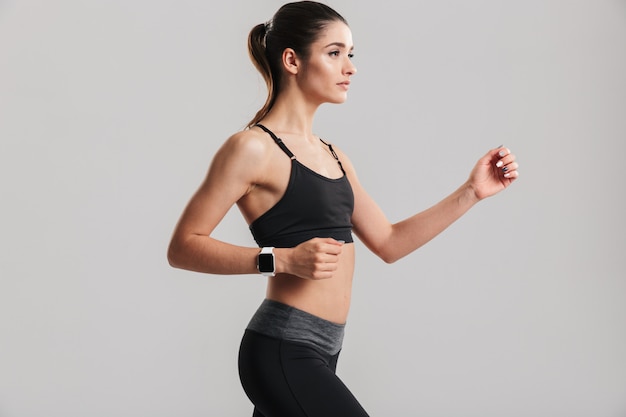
{"type": "Point", "coordinates": [312, 206]}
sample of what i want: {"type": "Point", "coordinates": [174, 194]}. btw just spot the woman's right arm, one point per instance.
{"type": "Point", "coordinates": [235, 169]}
{"type": "Point", "coordinates": [242, 164]}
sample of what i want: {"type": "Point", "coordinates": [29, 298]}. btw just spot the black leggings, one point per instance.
{"type": "Point", "coordinates": [290, 379]}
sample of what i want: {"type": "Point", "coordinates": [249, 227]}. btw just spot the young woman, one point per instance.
{"type": "Point", "coordinates": [303, 201]}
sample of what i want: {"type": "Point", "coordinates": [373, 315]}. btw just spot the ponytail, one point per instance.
{"type": "Point", "coordinates": [257, 52]}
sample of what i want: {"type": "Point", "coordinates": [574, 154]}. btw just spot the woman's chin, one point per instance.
{"type": "Point", "coordinates": [338, 100]}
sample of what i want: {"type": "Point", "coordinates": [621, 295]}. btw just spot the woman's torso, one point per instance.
{"type": "Point", "coordinates": [314, 170]}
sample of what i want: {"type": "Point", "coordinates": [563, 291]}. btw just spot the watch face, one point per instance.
{"type": "Point", "coordinates": [266, 262]}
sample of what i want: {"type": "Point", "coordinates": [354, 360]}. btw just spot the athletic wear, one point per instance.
{"type": "Point", "coordinates": [313, 206]}
{"type": "Point", "coordinates": [288, 357]}
{"type": "Point", "coordinates": [288, 369]}
{"type": "Point", "coordinates": [281, 321]}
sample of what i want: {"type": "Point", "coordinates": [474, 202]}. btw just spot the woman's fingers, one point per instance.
{"type": "Point", "coordinates": [506, 163]}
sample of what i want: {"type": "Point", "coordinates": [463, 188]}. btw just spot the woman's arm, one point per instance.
{"type": "Point", "coordinates": [235, 168]}
{"type": "Point", "coordinates": [393, 241]}
{"type": "Point", "coordinates": [242, 167]}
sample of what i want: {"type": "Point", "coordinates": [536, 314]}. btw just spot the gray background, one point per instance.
{"type": "Point", "coordinates": [110, 112]}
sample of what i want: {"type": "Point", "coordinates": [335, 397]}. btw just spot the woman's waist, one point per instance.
{"type": "Point", "coordinates": [332, 309]}
{"type": "Point", "coordinates": [326, 298]}
{"type": "Point", "coordinates": [286, 322]}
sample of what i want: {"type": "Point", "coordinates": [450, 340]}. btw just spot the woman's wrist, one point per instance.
{"type": "Point", "coordinates": [280, 256]}
{"type": "Point", "coordinates": [469, 194]}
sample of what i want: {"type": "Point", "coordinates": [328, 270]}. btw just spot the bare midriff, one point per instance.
{"type": "Point", "coordinates": [325, 298]}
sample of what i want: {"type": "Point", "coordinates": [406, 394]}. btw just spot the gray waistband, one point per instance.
{"type": "Point", "coordinates": [284, 322]}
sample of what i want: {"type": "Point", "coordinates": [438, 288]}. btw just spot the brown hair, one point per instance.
{"type": "Point", "coordinates": [295, 25]}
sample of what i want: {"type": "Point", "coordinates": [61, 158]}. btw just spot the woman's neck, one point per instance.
{"type": "Point", "coordinates": [291, 113]}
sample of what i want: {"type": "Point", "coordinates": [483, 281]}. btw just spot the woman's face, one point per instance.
{"type": "Point", "coordinates": [326, 75]}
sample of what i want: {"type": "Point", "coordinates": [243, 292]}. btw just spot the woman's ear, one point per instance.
{"type": "Point", "coordinates": [291, 63]}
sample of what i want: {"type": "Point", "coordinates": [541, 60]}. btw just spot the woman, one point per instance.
{"type": "Point", "coordinates": [303, 202]}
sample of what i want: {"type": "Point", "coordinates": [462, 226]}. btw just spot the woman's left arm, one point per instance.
{"type": "Point", "coordinates": [494, 172]}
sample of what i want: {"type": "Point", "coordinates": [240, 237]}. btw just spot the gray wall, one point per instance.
{"type": "Point", "coordinates": [110, 112]}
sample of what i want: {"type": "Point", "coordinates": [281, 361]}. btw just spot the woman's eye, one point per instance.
{"type": "Point", "coordinates": [337, 53]}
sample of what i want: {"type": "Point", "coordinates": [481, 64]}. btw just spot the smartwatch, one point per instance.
{"type": "Point", "coordinates": [265, 262]}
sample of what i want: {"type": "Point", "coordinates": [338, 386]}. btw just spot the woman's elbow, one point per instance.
{"type": "Point", "coordinates": [172, 258]}
{"type": "Point", "coordinates": [175, 254]}
{"type": "Point", "coordinates": [385, 254]}
{"type": "Point", "coordinates": [388, 258]}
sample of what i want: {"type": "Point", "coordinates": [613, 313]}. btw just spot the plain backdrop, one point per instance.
{"type": "Point", "coordinates": [111, 111]}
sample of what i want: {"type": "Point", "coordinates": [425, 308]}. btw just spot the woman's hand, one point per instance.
{"type": "Point", "coordinates": [314, 259]}
{"type": "Point", "coordinates": [493, 173]}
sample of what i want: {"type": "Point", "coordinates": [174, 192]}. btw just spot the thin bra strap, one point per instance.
{"type": "Point", "coordinates": [278, 141]}
{"type": "Point", "coordinates": [334, 154]}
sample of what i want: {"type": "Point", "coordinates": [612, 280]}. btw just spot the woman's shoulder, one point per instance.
{"type": "Point", "coordinates": [249, 144]}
